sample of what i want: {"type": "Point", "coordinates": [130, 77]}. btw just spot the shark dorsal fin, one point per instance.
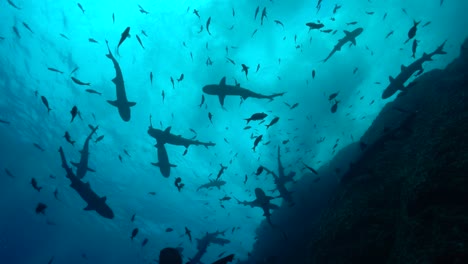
{"type": "Point", "coordinates": [391, 79]}
{"type": "Point", "coordinates": [223, 81]}
{"type": "Point", "coordinates": [168, 130]}
{"type": "Point", "coordinates": [103, 199]}
{"type": "Point", "coordinates": [403, 67]}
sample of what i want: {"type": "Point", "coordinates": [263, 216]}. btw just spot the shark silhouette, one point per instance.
{"type": "Point", "coordinates": [222, 90]}
{"type": "Point", "coordinates": [95, 203]}
{"type": "Point", "coordinates": [281, 179]}
{"type": "Point", "coordinates": [262, 201]}
{"type": "Point", "coordinates": [163, 160]}
{"type": "Point", "coordinates": [398, 82]}
{"type": "Point", "coordinates": [204, 242]}
{"type": "Point", "coordinates": [349, 37]}
{"type": "Point", "coordinates": [165, 137]}
{"type": "Point", "coordinates": [82, 167]}
{"type": "Point", "coordinates": [121, 103]}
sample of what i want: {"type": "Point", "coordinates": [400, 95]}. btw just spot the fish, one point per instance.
{"type": "Point", "coordinates": [55, 70]}
{"type": "Point", "coordinates": [310, 168]}
{"type": "Point", "coordinates": [414, 47]}
{"type": "Point", "coordinates": [134, 233]}
{"type": "Point", "coordinates": [312, 25]}
{"type": "Point", "coordinates": [259, 171]}
{"type": "Point", "coordinates": [93, 91]}
{"type": "Point", "coordinates": [273, 121]}
{"type": "Point", "coordinates": [125, 34]}
{"type": "Point", "coordinates": [196, 13]}
{"type": "Point", "coordinates": [168, 230]}
{"type": "Point", "coordinates": [15, 30]}
{"type": "Point", "coordinates": [151, 78]}
{"type": "Point", "coordinates": [133, 218]}
{"type": "Point", "coordinates": [68, 138]}
{"type": "Point", "coordinates": [178, 183]}
{"type": "Point", "coordinates": [202, 100]}
{"type": "Point", "coordinates": [279, 23]}
{"type": "Point", "coordinates": [257, 140]}
{"type": "Point", "coordinates": [38, 147]}
{"type": "Point", "coordinates": [145, 241]}
{"type": "Point", "coordinates": [142, 10]}
{"type": "Point", "coordinates": [13, 4]}
{"type": "Point", "coordinates": [222, 90]}
{"type": "Point", "coordinates": [208, 25]}
{"type": "Point", "coordinates": [4, 122]}
{"type": "Point", "coordinates": [56, 194]}
{"type": "Point", "coordinates": [334, 106]}
{"type": "Point", "coordinates": [122, 103]}
{"type": "Point", "coordinates": [73, 113]}
{"type": "Point", "coordinates": [92, 40]}
{"type": "Point", "coordinates": [46, 103]}
{"type": "Point", "coordinates": [313, 74]}
{"type": "Point", "coordinates": [258, 68]}
{"type": "Point", "coordinates": [256, 117]}
{"type": "Point", "coordinates": [349, 37]}
{"type": "Point", "coordinates": [40, 208]}
{"type": "Point", "coordinates": [81, 7]}
{"type": "Point", "coordinates": [101, 137]}
{"type": "Point", "coordinates": [264, 15]}
{"type": "Point", "coordinates": [113, 18]}
{"type": "Point", "coordinates": [172, 82]}
{"type": "Point", "coordinates": [351, 23]}
{"type": "Point", "coordinates": [210, 116]}
{"type": "Point", "coordinates": [181, 78]}
{"type": "Point", "coordinates": [389, 34]}
{"type": "Point", "coordinates": [34, 185]}
{"type": "Point", "coordinates": [75, 80]}
{"type": "Point", "coordinates": [256, 12]}
{"type": "Point", "coordinates": [8, 172]}
{"type": "Point", "coordinates": [139, 40]}
{"type": "Point", "coordinates": [398, 82]}
{"type": "Point", "coordinates": [188, 233]}
{"type": "Point", "coordinates": [64, 36]}
{"type": "Point", "coordinates": [27, 27]}
{"type": "Point", "coordinates": [246, 70]}
{"type": "Point", "coordinates": [412, 31]}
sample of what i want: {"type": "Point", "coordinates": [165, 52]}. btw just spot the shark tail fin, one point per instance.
{"type": "Point", "coordinates": [271, 97]}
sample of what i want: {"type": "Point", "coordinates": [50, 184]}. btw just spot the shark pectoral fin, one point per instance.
{"type": "Point", "coordinates": [114, 81]}
{"type": "Point", "coordinates": [353, 41]}
{"type": "Point", "coordinates": [221, 99]}
{"type": "Point", "coordinates": [91, 170]}
{"type": "Point", "coordinates": [172, 165]}
{"type": "Point", "coordinates": [88, 208]}
{"type": "Point", "coordinates": [130, 104]}
{"type": "Point", "coordinates": [155, 164]}
{"type": "Point", "coordinates": [74, 163]}
{"type": "Point", "coordinates": [223, 81]}
{"type": "Point", "coordinates": [114, 103]}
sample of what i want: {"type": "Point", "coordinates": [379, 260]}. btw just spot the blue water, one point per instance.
{"type": "Point", "coordinates": [287, 56]}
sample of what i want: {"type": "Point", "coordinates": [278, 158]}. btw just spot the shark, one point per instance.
{"type": "Point", "coordinates": [211, 184]}
{"type": "Point", "coordinates": [262, 201]}
{"type": "Point", "coordinates": [95, 203]}
{"type": "Point", "coordinates": [204, 242]}
{"type": "Point", "coordinates": [163, 160]}
{"type": "Point", "coordinates": [82, 166]}
{"type": "Point", "coordinates": [281, 179]}
{"type": "Point", "coordinates": [122, 104]}
{"type": "Point", "coordinates": [222, 90]}
{"type": "Point", "coordinates": [398, 83]}
{"type": "Point", "coordinates": [166, 137]}
{"type": "Point", "coordinates": [349, 37]}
